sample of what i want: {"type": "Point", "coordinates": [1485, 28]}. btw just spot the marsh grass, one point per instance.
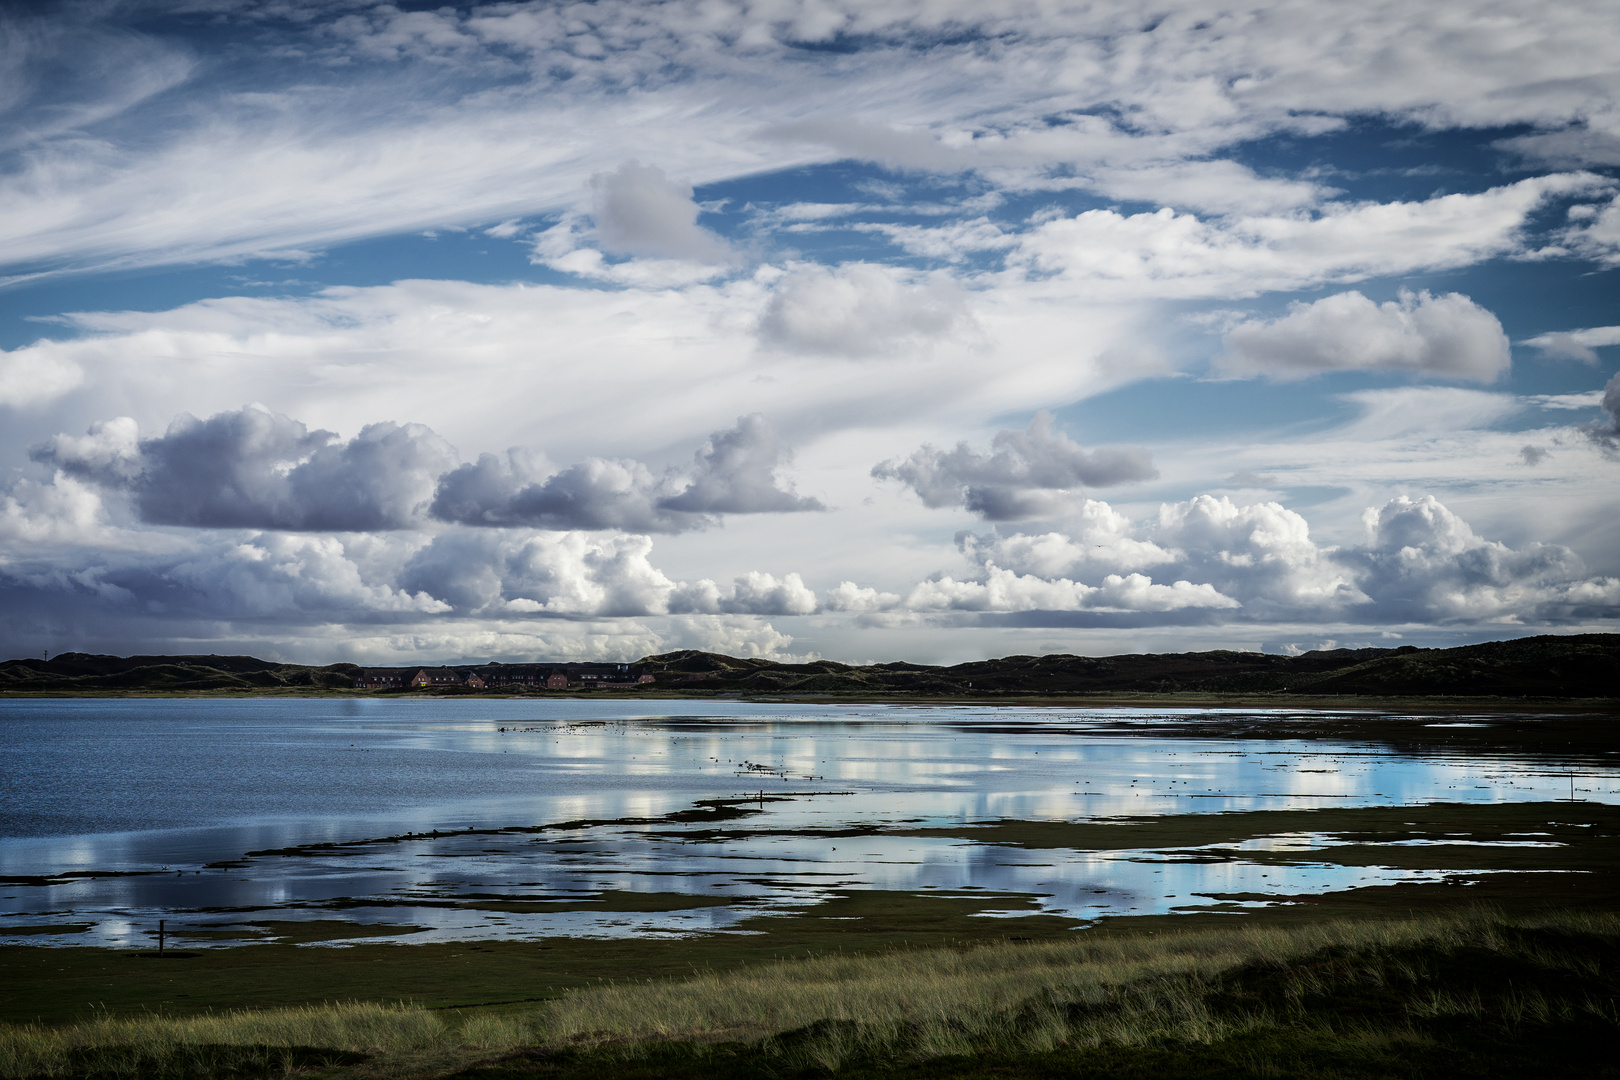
{"type": "Point", "coordinates": [1368, 988]}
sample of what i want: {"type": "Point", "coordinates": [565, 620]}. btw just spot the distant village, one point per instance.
{"type": "Point", "coordinates": [493, 676]}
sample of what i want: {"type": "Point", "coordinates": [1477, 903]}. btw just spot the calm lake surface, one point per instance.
{"type": "Point", "coordinates": [185, 810]}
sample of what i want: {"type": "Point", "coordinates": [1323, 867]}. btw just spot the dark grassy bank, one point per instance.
{"type": "Point", "coordinates": [1495, 1000]}
{"type": "Point", "coordinates": [1573, 866]}
{"type": "Point", "coordinates": [1583, 666]}
{"type": "Point", "coordinates": [1462, 992]}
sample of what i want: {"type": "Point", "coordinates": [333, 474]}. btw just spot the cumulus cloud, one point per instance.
{"type": "Point", "coordinates": [1419, 563]}
{"type": "Point", "coordinates": [66, 511]}
{"type": "Point", "coordinates": [559, 574]}
{"type": "Point", "coordinates": [277, 575]}
{"type": "Point", "coordinates": [257, 469]}
{"type": "Point", "coordinates": [1575, 344]}
{"type": "Point", "coordinates": [1006, 591]}
{"type": "Point", "coordinates": [848, 596]}
{"type": "Point", "coordinates": [34, 375]}
{"type": "Point", "coordinates": [640, 211]}
{"type": "Point", "coordinates": [754, 593]}
{"type": "Point", "coordinates": [732, 635]}
{"type": "Point", "coordinates": [68, 573]}
{"type": "Point", "coordinates": [1260, 554]}
{"type": "Point", "coordinates": [1100, 540]}
{"type": "Point", "coordinates": [1606, 432]}
{"type": "Point", "coordinates": [734, 472]}
{"type": "Point", "coordinates": [859, 310]}
{"type": "Point", "coordinates": [1422, 563]}
{"type": "Point", "coordinates": [1446, 336]}
{"type": "Point", "coordinates": [594, 494]}
{"type": "Point", "coordinates": [517, 573]}
{"type": "Point", "coordinates": [280, 579]}
{"type": "Point", "coordinates": [1028, 473]}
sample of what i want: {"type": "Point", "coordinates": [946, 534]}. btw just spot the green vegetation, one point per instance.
{"type": "Point", "coordinates": [1507, 966]}
{"type": "Point", "coordinates": [1573, 666]}
{"type": "Point", "coordinates": [84, 673]}
{"type": "Point", "coordinates": [1472, 993]}
{"type": "Point", "coordinates": [1549, 667]}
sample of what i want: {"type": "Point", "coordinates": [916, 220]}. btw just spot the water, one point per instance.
{"type": "Point", "coordinates": [156, 805]}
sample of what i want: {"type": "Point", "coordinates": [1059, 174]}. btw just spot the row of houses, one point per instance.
{"type": "Point", "coordinates": [493, 676]}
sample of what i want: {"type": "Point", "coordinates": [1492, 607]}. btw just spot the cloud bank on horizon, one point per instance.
{"type": "Point", "coordinates": [899, 329]}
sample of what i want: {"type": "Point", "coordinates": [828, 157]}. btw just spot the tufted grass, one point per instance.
{"type": "Point", "coordinates": [1404, 980]}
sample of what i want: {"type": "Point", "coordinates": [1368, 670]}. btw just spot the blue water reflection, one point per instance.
{"type": "Point", "coordinates": [173, 794]}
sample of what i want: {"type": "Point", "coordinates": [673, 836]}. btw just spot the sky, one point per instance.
{"type": "Point", "coordinates": [868, 330]}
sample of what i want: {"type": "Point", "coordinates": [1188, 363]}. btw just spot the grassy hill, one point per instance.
{"type": "Point", "coordinates": [1573, 666]}
{"type": "Point", "coordinates": [1584, 665]}
{"type": "Point", "coordinates": [84, 672]}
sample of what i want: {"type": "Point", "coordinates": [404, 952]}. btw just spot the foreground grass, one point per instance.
{"type": "Point", "coordinates": [1478, 990]}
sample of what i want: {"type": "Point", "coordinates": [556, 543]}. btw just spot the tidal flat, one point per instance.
{"type": "Point", "coordinates": [490, 865]}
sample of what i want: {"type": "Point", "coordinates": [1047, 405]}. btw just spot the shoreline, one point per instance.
{"type": "Point", "coordinates": [1102, 699]}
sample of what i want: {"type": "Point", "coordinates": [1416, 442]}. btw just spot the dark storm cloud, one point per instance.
{"type": "Point", "coordinates": [260, 470]}
{"type": "Point", "coordinates": [1023, 476]}
{"type": "Point", "coordinates": [734, 473]}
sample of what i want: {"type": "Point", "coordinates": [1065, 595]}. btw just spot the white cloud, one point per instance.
{"type": "Point", "coordinates": [753, 593]}
{"type": "Point", "coordinates": [64, 512]}
{"type": "Point", "coordinates": [735, 472]}
{"type": "Point", "coordinates": [487, 126]}
{"type": "Point", "coordinates": [1447, 336]}
{"type": "Point", "coordinates": [640, 211]}
{"type": "Point", "coordinates": [33, 375]}
{"type": "Point", "coordinates": [278, 575]}
{"type": "Point", "coordinates": [1606, 432]}
{"type": "Point", "coordinates": [1575, 344]}
{"type": "Point", "coordinates": [859, 310]}
{"type": "Point", "coordinates": [1597, 235]}
{"type": "Point", "coordinates": [1215, 187]}
{"type": "Point", "coordinates": [511, 573]}
{"type": "Point", "coordinates": [1424, 411]}
{"type": "Point", "coordinates": [257, 469]}
{"type": "Point", "coordinates": [1423, 563]}
{"type": "Point", "coordinates": [731, 635]}
{"type": "Point", "coordinates": [370, 122]}
{"type": "Point", "coordinates": [1261, 553]}
{"type": "Point", "coordinates": [1027, 473]}
{"type": "Point", "coordinates": [1419, 563]}
{"type": "Point", "coordinates": [1166, 254]}
{"type": "Point", "coordinates": [1004, 591]}
{"type": "Point", "coordinates": [1100, 539]}
{"type": "Point", "coordinates": [848, 596]}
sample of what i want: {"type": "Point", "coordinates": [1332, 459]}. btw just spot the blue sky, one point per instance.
{"type": "Point", "coordinates": [917, 329]}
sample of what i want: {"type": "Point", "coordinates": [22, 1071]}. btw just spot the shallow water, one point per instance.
{"type": "Point", "coordinates": [157, 790]}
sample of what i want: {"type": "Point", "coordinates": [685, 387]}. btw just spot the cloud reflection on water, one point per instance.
{"type": "Point", "coordinates": [194, 783]}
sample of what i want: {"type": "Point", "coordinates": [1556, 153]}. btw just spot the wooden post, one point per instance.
{"type": "Point", "coordinates": [161, 923]}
